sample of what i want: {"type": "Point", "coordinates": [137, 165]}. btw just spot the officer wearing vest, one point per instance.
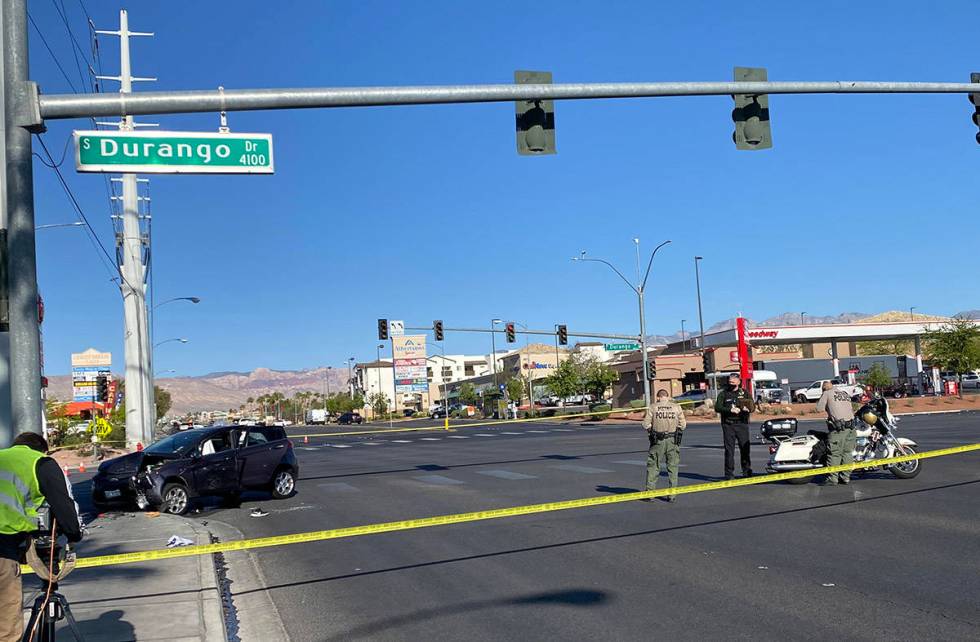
{"type": "Point", "coordinates": [665, 422]}
{"type": "Point", "coordinates": [842, 437]}
{"type": "Point", "coordinates": [27, 480]}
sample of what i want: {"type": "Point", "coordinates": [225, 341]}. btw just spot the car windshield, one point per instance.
{"type": "Point", "coordinates": [768, 385]}
{"type": "Point", "coordinates": [177, 444]}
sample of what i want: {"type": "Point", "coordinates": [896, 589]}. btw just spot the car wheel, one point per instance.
{"type": "Point", "coordinates": [176, 500]}
{"type": "Point", "coordinates": [800, 398]}
{"type": "Point", "coordinates": [283, 484]}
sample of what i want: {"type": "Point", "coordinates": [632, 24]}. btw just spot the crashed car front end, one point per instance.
{"type": "Point", "coordinates": [147, 485]}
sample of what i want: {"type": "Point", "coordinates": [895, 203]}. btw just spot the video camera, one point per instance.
{"type": "Point", "coordinates": [39, 549]}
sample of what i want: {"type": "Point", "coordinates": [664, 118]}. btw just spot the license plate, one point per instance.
{"type": "Point", "coordinates": [112, 493]}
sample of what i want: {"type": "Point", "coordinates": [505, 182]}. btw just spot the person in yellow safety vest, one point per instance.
{"type": "Point", "coordinates": [27, 480]}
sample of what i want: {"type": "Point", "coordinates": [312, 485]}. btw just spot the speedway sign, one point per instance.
{"type": "Point", "coordinates": [173, 152]}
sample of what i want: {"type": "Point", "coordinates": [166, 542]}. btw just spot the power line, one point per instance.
{"type": "Point", "coordinates": [114, 271]}
{"type": "Point", "coordinates": [73, 41]}
{"type": "Point", "coordinates": [64, 154]}
{"type": "Point", "coordinates": [50, 51]}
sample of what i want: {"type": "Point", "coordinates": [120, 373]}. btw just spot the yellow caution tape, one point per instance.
{"type": "Point", "coordinates": [444, 520]}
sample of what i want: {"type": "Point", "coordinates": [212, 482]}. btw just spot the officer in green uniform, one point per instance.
{"type": "Point", "coordinates": [665, 423]}
{"type": "Point", "coordinates": [842, 435]}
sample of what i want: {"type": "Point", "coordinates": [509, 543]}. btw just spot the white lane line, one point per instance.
{"type": "Point", "coordinates": [505, 474]}
{"type": "Point", "coordinates": [511, 433]}
{"type": "Point", "coordinates": [484, 434]}
{"type": "Point", "coordinates": [632, 462]}
{"type": "Point", "coordinates": [401, 441]}
{"type": "Point", "coordinates": [371, 443]}
{"type": "Point", "coordinates": [440, 480]}
{"type": "Point", "coordinates": [431, 438]}
{"type": "Point", "coordinates": [588, 470]}
{"type": "Point", "coordinates": [457, 437]}
{"type": "Point", "coordinates": [340, 445]}
{"type": "Point", "coordinates": [563, 430]}
{"type": "Point", "coordinates": [537, 431]}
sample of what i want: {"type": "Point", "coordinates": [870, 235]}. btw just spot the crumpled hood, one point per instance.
{"type": "Point", "coordinates": [124, 465]}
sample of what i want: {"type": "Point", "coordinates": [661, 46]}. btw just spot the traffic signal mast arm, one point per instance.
{"type": "Point", "coordinates": [549, 333]}
{"type": "Point", "coordinates": [60, 106]}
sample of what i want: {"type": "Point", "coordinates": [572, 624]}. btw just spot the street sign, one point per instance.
{"type": "Point", "coordinates": [616, 347]}
{"type": "Point", "coordinates": [396, 328]}
{"type": "Point", "coordinates": [173, 152]}
{"type": "Point", "coordinates": [101, 428]}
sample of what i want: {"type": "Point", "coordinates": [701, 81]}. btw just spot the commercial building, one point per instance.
{"type": "Point", "coordinates": [378, 376]}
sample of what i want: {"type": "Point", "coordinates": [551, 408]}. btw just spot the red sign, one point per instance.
{"type": "Point", "coordinates": [762, 334]}
{"type": "Point", "coordinates": [733, 356]}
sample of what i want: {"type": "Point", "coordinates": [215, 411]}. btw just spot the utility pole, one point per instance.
{"type": "Point", "coordinates": [17, 193]}
{"type": "Point", "coordinates": [139, 375]}
{"type": "Point", "coordinates": [697, 280]}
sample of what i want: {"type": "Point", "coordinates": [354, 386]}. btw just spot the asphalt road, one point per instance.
{"type": "Point", "coordinates": [881, 558]}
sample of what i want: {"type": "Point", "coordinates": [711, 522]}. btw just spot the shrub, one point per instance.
{"type": "Point", "coordinates": [599, 407]}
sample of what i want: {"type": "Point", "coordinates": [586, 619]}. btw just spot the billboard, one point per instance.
{"type": "Point", "coordinates": [86, 368]}
{"type": "Point", "coordinates": [409, 363]}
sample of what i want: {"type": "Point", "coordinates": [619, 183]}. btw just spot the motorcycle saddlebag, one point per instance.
{"type": "Point", "coordinates": [819, 453]}
{"type": "Point", "coordinates": [778, 427]}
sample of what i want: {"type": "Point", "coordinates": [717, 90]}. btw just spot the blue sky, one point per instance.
{"type": "Point", "coordinates": [865, 203]}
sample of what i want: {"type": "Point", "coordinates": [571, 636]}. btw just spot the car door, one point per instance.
{"type": "Point", "coordinates": [260, 454]}
{"type": "Point", "coordinates": [216, 467]}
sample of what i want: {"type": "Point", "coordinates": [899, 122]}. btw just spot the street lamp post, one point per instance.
{"type": "Point", "coordinates": [192, 299]}
{"type": "Point", "coordinates": [911, 313]}
{"type": "Point", "coordinates": [683, 336]}
{"type": "Point", "coordinates": [48, 226]}
{"type": "Point", "coordinates": [350, 377]}
{"type": "Point", "coordinates": [639, 289]}
{"type": "Point", "coordinates": [697, 281]}
{"type": "Point", "coordinates": [802, 314]}
{"type": "Point", "coordinates": [493, 349]}
{"type": "Point", "coordinates": [445, 383]}
{"type": "Point", "coordinates": [177, 339]}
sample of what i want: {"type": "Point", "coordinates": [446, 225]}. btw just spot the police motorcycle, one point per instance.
{"type": "Point", "coordinates": [876, 439]}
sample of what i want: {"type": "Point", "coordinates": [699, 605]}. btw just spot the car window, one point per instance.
{"type": "Point", "coordinates": [273, 434]}
{"type": "Point", "coordinates": [215, 444]}
{"type": "Point", "coordinates": [255, 438]}
{"type": "Point", "coordinates": [180, 443]}
{"type": "Point", "coordinates": [815, 384]}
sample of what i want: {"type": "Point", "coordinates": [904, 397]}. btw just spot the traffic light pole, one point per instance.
{"type": "Point", "coordinates": [18, 201]}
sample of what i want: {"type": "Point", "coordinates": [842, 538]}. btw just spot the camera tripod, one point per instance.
{"type": "Point", "coordinates": [46, 619]}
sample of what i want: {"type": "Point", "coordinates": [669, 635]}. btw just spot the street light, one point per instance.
{"type": "Point", "coordinates": [493, 348]}
{"type": "Point", "coordinates": [697, 281]}
{"type": "Point", "coordinates": [683, 337]}
{"type": "Point", "coordinates": [192, 299]}
{"type": "Point", "coordinates": [911, 314]}
{"type": "Point", "coordinates": [163, 372]}
{"type": "Point", "coordinates": [181, 340]}
{"type": "Point", "coordinates": [802, 314]}
{"type": "Point", "coordinates": [445, 382]}
{"type": "Point", "coordinates": [639, 289]}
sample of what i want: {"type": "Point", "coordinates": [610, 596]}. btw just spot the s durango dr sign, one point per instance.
{"type": "Point", "coordinates": [173, 152]}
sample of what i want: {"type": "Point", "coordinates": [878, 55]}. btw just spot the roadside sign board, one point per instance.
{"type": "Point", "coordinates": [396, 328]}
{"type": "Point", "coordinates": [101, 428]}
{"type": "Point", "coordinates": [409, 361]}
{"type": "Point", "coordinates": [86, 368]}
{"type": "Point", "coordinates": [615, 347]}
{"type": "Point", "coordinates": [173, 152]}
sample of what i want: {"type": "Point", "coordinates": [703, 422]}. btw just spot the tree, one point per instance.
{"type": "Point", "coordinates": [515, 387]}
{"type": "Point", "coordinates": [163, 401]}
{"type": "Point", "coordinates": [467, 394]}
{"type": "Point", "coordinates": [877, 377]}
{"type": "Point", "coordinates": [567, 379]}
{"type": "Point", "coordinates": [595, 376]}
{"type": "Point", "coordinates": [379, 403]}
{"type": "Point", "coordinates": [955, 346]}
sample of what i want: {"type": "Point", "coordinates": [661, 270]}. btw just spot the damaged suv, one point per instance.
{"type": "Point", "coordinates": [219, 461]}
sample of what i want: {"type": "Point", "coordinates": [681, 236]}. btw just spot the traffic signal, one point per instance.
{"type": "Point", "coordinates": [652, 371]}
{"type": "Point", "coordinates": [563, 335]}
{"type": "Point", "coordinates": [707, 357]}
{"type": "Point", "coordinates": [758, 365]}
{"type": "Point", "coordinates": [510, 332]}
{"type": "Point", "coordinates": [975, 99]}
{"type": "Point", "coordinates": [382, 329]}
{"type": "Point", "coordinates": [437, 330]}
{"type": "Point", "coordinates": [751, 113]}
{"type": "Point", "coordinates": [535, 118]}
{"type": "Point", "coordinates": [102, 389]}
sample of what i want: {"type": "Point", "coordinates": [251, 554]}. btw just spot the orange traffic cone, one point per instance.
{"type": "Point", "coordinates": [81, 467]}
{"type": "Point", "coordinates": [306, 439]}
{"type": "Point", "coordinates": [66, 470]}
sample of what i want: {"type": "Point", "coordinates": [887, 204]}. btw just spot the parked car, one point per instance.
{"type": "Point", "coordinates": [815, 390]}
{"type": "Point", "coordinates": [970, 380]}
{"type": "Point", "coordinates": [219, 461]}
{"type": "Point", "coordinates": [898, 390]}
{"type": "Point", "coordinates": [693, 398]}
{"type": "Point", "coordinates": [349, 418]}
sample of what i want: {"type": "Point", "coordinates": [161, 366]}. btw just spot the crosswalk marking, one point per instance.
{"type": "Point", "coordinates": [588, 470]}
{"type": "Point", "coordinates": [457, 437]}
{"type": "Point", "coordinates": [632, 462]}
{"type": "Point", "coordinates": [484, 434]}
{"type": "Point", "coordinates": [371, 443]}
{"type": "Point", "coordinates": [431, 438]}
{"type": "Point", "coordinates": [340, 445]}
{"type": "Point", "coordinates": [439, 480]}
{"type": "Point", "coordinates": [511, 433]}
{"type": "Point", "coordinates": [505, 474]}
{"type": "Point", "coordinates": [538, 431]}
{"type": "Point", "coordinates": [401, 441]}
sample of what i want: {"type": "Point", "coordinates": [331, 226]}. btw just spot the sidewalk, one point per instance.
{"type": "Point", "coordinates": [176, 600]}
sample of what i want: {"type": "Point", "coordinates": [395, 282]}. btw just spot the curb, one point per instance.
{"type": "Point", "coordinates": [931, 412]}
{"type": "Point", "coordinates": [212, 612]}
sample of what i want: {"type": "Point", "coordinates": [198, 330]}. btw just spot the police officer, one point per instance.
{"type": "Point", "coordinates": [735, 405]}
{"type": "Point", "coordinates": [665, 423]}
{"type": "Point", "coordinates": [27, 480]}
{"type": "Point", "coordinates": [840, 423]}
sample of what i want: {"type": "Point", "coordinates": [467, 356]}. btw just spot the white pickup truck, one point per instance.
{"type": "Point", "coordinates": [815, 389]}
